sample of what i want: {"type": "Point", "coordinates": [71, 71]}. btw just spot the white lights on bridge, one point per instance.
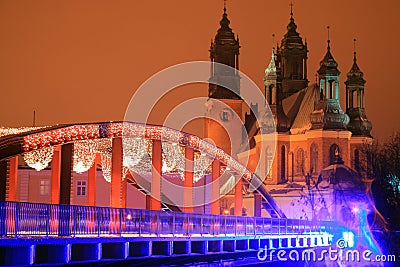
{"type": "Point", "coordinates": [84, 155]}
{"type": "Point", "coordinates": [137, 146]}
{"type": "Point", "coordinates": [39, 159]}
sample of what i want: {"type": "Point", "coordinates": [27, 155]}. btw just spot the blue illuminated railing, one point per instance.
{"type": "Point", "coordinates": [18, 219]}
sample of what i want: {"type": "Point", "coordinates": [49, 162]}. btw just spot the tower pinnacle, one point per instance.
{"type": "Point", "coordinates": [291, 60]}
{"type": "Point", "coordinates": [355, 52]}
{"type": "Point", "coordinates": [359, 124]}
{"type": "Point", "coordinates": [329, 40]}
{"type": "Point", "coordinates": [291, 9]}
{"type": "Point", "coordinates": [224, 49]}
{"type": "Point", "coordinates": [272, 92]}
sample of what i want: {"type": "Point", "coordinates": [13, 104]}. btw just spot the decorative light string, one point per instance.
{"type": "Point", "coordinates": [106, 167]}
{"type": "Point", "coordinates": [134, 149]}
{"type": "Point", "coordinates": [84, 155]}
{"type": "Point", "coordinates": [173, 158]}
{"type": "Point", "coordinates": [106, 131]}
{"type": "Point", "coordinates": [4, 131]}
{"type": "Point", "coordinates": [39, 159]}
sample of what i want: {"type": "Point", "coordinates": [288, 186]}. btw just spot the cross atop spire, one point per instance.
{"type": "Point", "coordinates": [291, 9]}
{"type": "Point", "coordinates": [355, 70]}
{"type": "Point", "coordinates": [329, 40]}
{"type": "Point", "coordinates": [224, 6]}
{"type": "Point", "coordinates": [273, 41]}
{"type": "Point", "coordinates": [271, 69]}
{"type": "Point", "coordinates": [355, 52]}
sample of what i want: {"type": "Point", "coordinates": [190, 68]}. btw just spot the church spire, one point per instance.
{"type": "Point", "coordinates": [329, 39]}
{"type": "Point", "coordinates": [292, 59]}
{"type": "Point", "coordinates": [225, 50]}
{"type": "Point", "coordinates": [355, 68]}
{"type": "Point", "coordinates": [272, 92]}
{"type": "Point", "coordinates": [291, 9]}
{"type": "Point", "coordinates": [359, 124]}
{"type": "Point", "coordinates": [271, 69]}
{"type": "Point", "coordinates": [328, 114]}
{"type": "Point", "coordinates": [225, 21]}
{"type": "Point", "coordinates": [329, 73]}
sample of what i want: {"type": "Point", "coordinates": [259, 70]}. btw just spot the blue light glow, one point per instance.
{"type": "Point", "coordinates": [349, 238]}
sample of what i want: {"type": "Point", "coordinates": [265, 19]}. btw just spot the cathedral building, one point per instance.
{"type": "Point", "coordinates": [318, 167]}
{"type": "Point", "coordinates": [312, 128]}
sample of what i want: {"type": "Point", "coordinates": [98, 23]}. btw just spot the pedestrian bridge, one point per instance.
{"type": "Point", "coordinates": [60, 233]}
{"type": "Point", "coordinates": [34, 233]}
{"type": "Point", "coordinates": [152, 151]}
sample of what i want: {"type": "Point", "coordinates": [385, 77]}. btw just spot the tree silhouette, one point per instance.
{"type": "Point", "coordinates": [382, 162]}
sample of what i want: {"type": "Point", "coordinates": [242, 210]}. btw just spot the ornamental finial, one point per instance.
{"type": "Point", "coordinates": [329, 40]}
{"type": "Point", "coordinates": [224, 6]}
{"type": "Point", "coordinates": [355, 52]}
{"type": "Point", "coordinates": [273, 42]}
{"type": "Point", "coordinates": [291, 9]}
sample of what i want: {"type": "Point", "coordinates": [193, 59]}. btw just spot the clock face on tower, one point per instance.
{"type": "Point", "coordinates": [226, 115]}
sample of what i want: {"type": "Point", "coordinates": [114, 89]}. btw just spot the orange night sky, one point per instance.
{"type": "Point", "coordinates": [81, 61]}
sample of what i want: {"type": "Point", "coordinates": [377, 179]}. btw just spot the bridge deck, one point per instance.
{"type": "Point", "coordinates": [45, 233]}
{"type": "Point", "coordinates": [36, 219]}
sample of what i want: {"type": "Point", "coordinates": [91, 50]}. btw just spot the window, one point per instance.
{"type": "Point", "coordinates": [313, 158]}
{"type": "Point", "coordinates": [354, 99]}
{"type": "Point", "coordinates": [295, 70]}
{"type": "Point", "coordinates": [44, 187]}
{"type": "Point", "coordinates": [300, 162]}
{"type": "Point", "coordinates": [268, 163]}
{"type": "Point", "coordinates": [283, 163]}
{"type": "Point", "coordinates": [334, 154]}
{"type": "Point", "coordinates": [272, 95]}
{"type": "Point", "coordinates": [225, 115]}
{"type": "Point", "coordinates": [357, 160]}
{"type": "Point", "coordinates": [81, 188]}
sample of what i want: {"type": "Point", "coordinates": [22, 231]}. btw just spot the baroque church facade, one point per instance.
{"type": "Point", "coordinates": [313, 131]}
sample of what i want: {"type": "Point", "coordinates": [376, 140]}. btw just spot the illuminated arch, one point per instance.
{"type": "Point", "coordinates": [35, 139]}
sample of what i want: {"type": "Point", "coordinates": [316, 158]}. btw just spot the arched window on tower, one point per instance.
{"type": "Point", "coordinates": [331, 89]}
{"type": "Point", "coordinates": [357, 160]}
{"type": "Point", "coordinates": [354, 99]}
{"type": "Point", "coordinates": [369, 163]}
{"type": "Point", "coordinates": [334, 93]}
{"type": "Point", "coordinates": [313, 158]}
{"type": "Point", "coordinates": [283, 163]}
{"type": "Point", "coordinates": [272, 94]}
{"type": "Point", "coordinates": [268, 162]}
{"type": "Point", "coordinates": [300, 162]}
{"type": "Point", "coordinates": [295, 71]}
{"type": "Point", "coordinates": [334, 153]}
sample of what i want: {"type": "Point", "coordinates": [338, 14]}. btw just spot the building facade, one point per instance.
{"type": "Point", "coordinates": [313, 132]}
{"type": "Point", "coordinates": [311, 126]}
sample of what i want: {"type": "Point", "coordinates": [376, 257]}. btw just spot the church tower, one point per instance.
{"type": "Point", "coordinates": [225, 50]}
{"type": "Point", "coordinates": [224, 122]}
{"type": "Point", "coordinates": [292, 60]}
{"type": "Point", "coordinates": [359, 124]}
{"type": "Point", "coordinates": [328, 113]}
{"type": "Point", "coordinates": [273, 96]}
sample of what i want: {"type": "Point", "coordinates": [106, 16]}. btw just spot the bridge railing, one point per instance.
{"type": "Point", "coordinates": [20, 219]}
